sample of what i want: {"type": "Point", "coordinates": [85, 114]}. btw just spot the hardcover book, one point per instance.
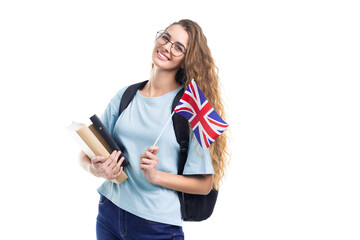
{"type": "Point", "coordinates": [100, 128]}
{"type": "Point", "coordinates": [93, 144]}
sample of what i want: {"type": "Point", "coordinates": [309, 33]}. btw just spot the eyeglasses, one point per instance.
{"type": "Point", "coordinates": [177, 49]}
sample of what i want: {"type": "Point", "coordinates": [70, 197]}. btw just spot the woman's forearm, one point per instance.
{"type": "Point", "coordinates": [195, 184]}
{"type": "Point", "coordinates": [85, 163]}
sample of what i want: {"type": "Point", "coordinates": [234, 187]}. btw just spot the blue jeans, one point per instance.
{"type": "Point", "coordinates": [115, 223]}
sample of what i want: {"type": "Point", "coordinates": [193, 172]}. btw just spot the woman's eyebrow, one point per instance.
{"type": "Point", "coordinates": [181, 44]}
{"type": "Point", "coordinates": [177, 41]}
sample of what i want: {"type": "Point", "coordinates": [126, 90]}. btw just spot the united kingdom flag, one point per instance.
{"type": "Point", "coordinates": [204, 120]}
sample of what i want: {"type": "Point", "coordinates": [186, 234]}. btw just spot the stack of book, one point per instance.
{"type": "Point", "coordinates": [95, 140]}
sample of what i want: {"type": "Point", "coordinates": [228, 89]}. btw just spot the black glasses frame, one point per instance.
{"type": "Point", "coordinates": [160, 34]}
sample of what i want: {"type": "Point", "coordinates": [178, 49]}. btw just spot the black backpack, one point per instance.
{"type": "Point", "coordinates": [193, 207]}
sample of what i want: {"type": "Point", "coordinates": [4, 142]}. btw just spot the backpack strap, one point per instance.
{"type": "Point", "coordinates": [181, 128]}
{"type": "Point", "coordinates": [129, 95]}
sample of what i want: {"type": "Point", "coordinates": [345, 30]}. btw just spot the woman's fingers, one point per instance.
{"type": "Point", "coordinates": [148, 164]}
{"type": "Point", "coordinates": [153, 149]}
{"type": "Point", "coordinates": [142, 155]}
{"type": "Point", "coordinates": [121, 160]}
{"type": "Point", "coordinates": [117, 166]}
{"type": "Point", "coordinates": [117, 170]}
{"type": "Point", "coordinates": [151, 156]}
{"type": "Point", "coordinates": [147, 161]}
{"type": "Point", "coordinates": [110, 159]}
{"type": "Point", "coordinates": [97, 159]}
{"type": "Point", "coordinates": [114, 159]}
{"type": "Point", "coordinates": [119, 173]}
{"type": "Point", "coordinates": [110, 168]}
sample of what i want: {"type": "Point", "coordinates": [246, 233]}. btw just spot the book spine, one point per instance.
{"type": "Point", "coordinates": [100, 128]}
{"type": "Point", "coordinates": [104, 133]}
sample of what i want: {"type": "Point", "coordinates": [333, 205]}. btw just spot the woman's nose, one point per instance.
{"type": "Point", "coordinates": [167, 47]}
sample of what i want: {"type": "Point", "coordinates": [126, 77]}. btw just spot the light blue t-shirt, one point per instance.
{"type": "Point", "coordinates": [135, 130]}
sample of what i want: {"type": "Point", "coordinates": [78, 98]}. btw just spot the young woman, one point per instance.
{"type": "Point", "coordinates": [146, 205]}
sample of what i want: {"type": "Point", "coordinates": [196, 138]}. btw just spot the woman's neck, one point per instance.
{"type": "Point", "coordinates": [161, 82]}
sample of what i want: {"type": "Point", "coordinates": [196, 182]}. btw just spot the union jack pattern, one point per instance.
{"type": "Point", "coordinates": [204, 120]}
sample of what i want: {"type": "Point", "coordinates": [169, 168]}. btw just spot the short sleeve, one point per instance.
{"type": "Point", "coordinates": [111, 113]}
{"type": "Point", "coordinates": [198, 160]}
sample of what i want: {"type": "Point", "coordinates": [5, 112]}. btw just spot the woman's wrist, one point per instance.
{"type": "Point", "coordinates": [199, 184]}
{"type": "Point", "coordinates": [157, 179]}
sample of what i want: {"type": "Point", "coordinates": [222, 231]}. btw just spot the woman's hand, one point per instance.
{"type": "Point", "coordinates": [148, 163]}
{"type": "Point", "coordinates": [109, 169]}
{"type": "Point", "coordinates": [195, 184]}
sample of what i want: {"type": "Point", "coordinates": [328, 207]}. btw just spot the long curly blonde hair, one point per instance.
{"type": "Point", "coordinates": [199, 65]}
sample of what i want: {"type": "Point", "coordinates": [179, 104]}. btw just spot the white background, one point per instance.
{"type": "Point", "coordinates": [290, 72]}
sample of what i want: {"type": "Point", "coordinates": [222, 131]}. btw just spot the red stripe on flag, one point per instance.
{"type": "Point", "coordinates": [216, 123]}
{"type": "Point", "coordinates": [200, 114]}
{"type": "Point", "coordinates": [191, 101]}
{"type": "Point", "coordinates": [193, 90]}
{"type": "Point", "coordinates": [208, 129]}
{"type": "Point", "coordinates": [184, 109]}
{"type": "Point", "coordinates": [199, 117]}
{"type": "Point", "coordinates": [206, 140]}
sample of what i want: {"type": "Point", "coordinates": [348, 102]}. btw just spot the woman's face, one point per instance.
{"type": "Point", "coordinates": [162, 56]}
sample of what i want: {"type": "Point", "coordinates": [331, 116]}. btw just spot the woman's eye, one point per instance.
{"type": "Point", "coordinates": [179, 48]}
{"type": "Point", "coordinates": [165, 38]}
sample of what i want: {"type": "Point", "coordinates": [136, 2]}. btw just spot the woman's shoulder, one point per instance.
{"type": "Point", "coordinates": [115, 100]}
{"type": "Point", "coordinates": [121, 91]}
{"type": "Point", "coordinates": [118, 95]}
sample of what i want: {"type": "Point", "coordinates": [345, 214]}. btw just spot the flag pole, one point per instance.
{"type": "Point", "coordinates": [162, 131]}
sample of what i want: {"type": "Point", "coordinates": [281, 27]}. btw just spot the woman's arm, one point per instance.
{"type": "Point", "coordinates": [195, 184]}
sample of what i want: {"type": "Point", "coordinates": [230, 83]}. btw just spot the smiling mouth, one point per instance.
{"type": "Point", "coordinates": [162, 56]}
